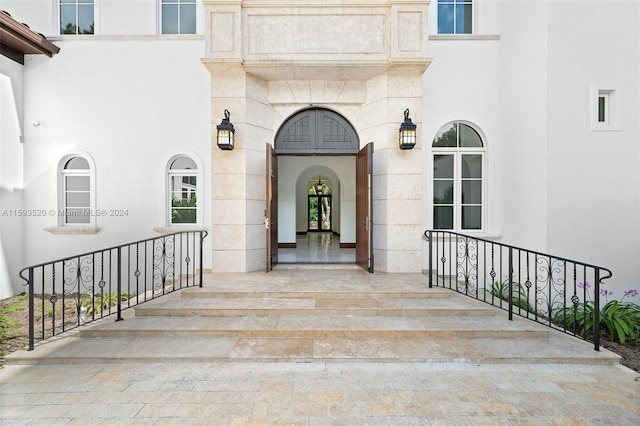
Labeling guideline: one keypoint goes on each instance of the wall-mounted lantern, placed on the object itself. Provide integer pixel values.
(407, 132)
(225, 133)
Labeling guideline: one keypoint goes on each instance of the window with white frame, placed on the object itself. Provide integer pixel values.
(605, 110)
(604, 107)
(76, 197)
(458, 185)
(183, 190)
(178, 16)
(453, 16)
(76, 17)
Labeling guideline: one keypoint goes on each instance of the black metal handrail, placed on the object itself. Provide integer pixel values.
(79, 289)
(548, 289)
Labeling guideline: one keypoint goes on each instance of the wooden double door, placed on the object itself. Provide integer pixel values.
(364, 222)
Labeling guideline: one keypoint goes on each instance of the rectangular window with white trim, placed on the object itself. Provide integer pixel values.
(77, 17)
(451, 16)
(178, 16)
(605, 107)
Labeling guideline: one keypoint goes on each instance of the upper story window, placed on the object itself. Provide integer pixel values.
(455, 16)
(605, 109)
(178, 16)
(76, 17)
(183, 191)
(458, 178)
(76, 197)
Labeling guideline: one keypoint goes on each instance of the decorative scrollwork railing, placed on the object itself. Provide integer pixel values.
(548, 289)
(70, 292)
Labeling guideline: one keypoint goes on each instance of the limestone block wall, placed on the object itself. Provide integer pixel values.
(270, 59)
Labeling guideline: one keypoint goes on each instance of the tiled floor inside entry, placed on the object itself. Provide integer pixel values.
(317, 247)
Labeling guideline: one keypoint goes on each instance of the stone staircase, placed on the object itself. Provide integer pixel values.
(315, 315)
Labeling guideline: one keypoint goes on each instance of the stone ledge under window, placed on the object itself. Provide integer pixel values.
(73, 230)
(480, 235)
(143, 37)
(465, 37)
(167, 230)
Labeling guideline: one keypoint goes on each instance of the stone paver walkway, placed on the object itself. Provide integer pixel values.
(167, 387)
(319, 393)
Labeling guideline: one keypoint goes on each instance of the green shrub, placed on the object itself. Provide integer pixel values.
(183, 210)
(518, 294)
(618, 318)
(621, 319)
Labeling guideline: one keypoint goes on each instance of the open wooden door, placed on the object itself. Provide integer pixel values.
(271, 212)
(364, 228)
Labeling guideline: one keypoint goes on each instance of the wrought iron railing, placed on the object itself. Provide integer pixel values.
(551, 290)
(67, 293)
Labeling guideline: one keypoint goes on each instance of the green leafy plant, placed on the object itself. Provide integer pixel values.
(97, 303)
(6, 324)
(500, 289)
(183, 210)
(620, 318)
(17, 304)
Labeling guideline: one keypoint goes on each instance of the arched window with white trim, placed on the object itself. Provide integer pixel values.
(183, 191)
(77, 200)
(458, 178)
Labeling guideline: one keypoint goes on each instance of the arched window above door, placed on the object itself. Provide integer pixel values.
(316, 130)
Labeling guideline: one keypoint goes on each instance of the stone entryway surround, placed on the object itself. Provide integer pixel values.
(270, 59)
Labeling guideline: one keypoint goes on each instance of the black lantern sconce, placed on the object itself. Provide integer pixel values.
(225, 133)
(407, 132)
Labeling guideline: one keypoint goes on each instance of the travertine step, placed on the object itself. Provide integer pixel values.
(554, 349)
(294, 316)
(316, 305)
(203, 293)
(319, 326)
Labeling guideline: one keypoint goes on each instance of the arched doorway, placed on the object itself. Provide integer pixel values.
(320, 132)
(319, 206)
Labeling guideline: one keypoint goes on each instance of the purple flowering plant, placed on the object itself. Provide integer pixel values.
(583, 285)
(620, 318)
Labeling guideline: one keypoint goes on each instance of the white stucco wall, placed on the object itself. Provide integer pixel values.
(522, 166)
(141, 17)
(111, 17)
(11, 177)
(131, 99)
(568, 190)
(470, 69)
(592, 176)
(557, 186)
(128, 104)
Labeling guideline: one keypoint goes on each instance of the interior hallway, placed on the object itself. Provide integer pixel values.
(317, 247)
